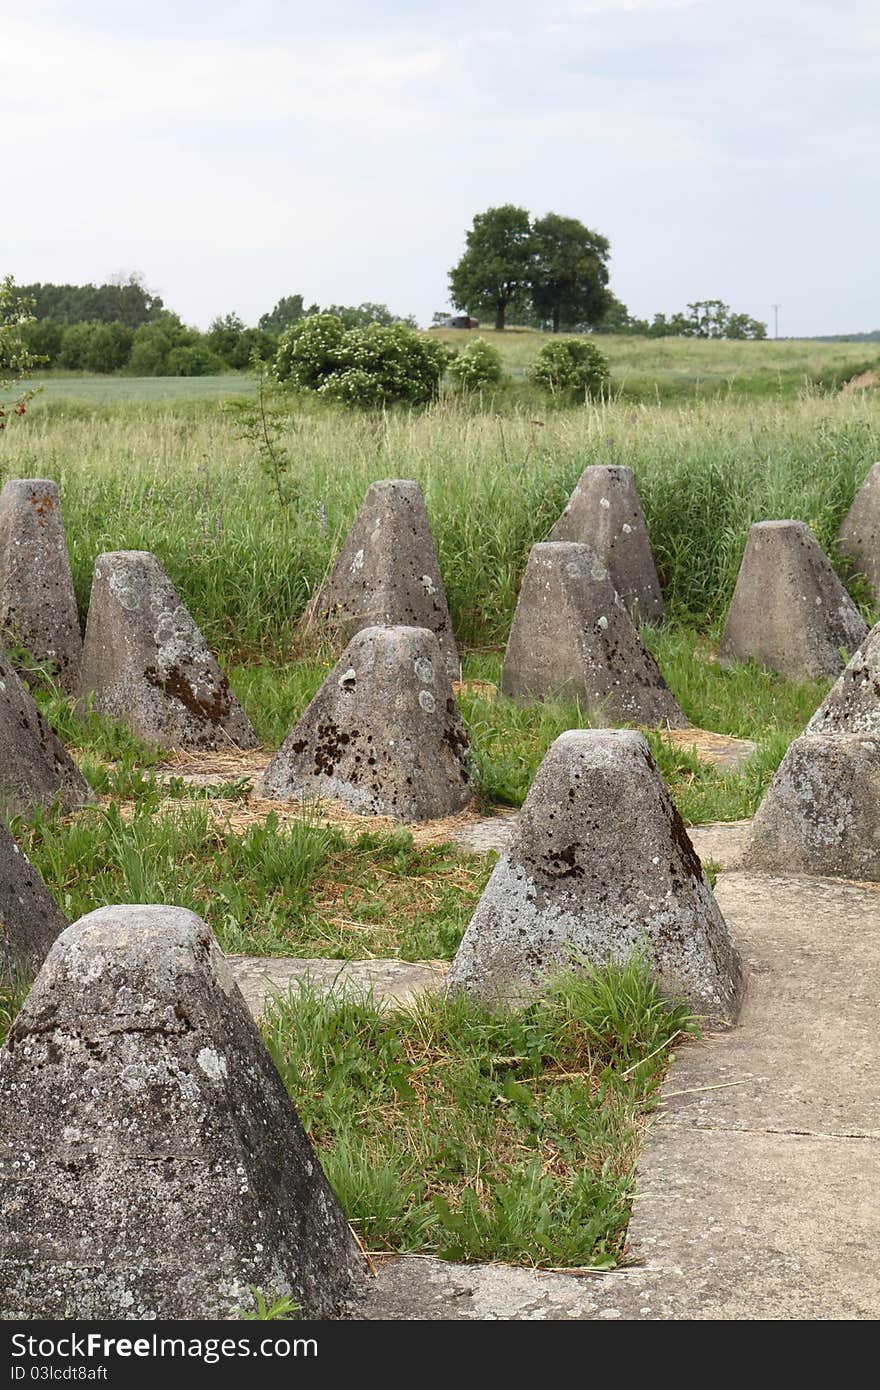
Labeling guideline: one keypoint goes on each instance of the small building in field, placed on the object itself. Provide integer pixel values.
(457, 321)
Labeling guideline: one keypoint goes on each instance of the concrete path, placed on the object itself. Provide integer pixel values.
(759, 1183)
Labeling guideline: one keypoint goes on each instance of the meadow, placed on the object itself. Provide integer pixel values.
(557, 1096)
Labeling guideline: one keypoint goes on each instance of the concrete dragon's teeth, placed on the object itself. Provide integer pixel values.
(387, 572)
(383, 735)
(600, 867)
(605, 512)
(37, 601)
(789, 610)
(146, 663)
(572, 638)
(152, 1163)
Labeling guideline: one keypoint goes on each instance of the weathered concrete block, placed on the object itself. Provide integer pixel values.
(789, 610)
(572, 637)
(383, 735)
(605, 512)
(852, 705)
(821, 813)
(35, 770)
(30, 918)
(145, 661)
(387, 572)
(860, 533)
(37, 602)
(601, 867)
(151, 1160)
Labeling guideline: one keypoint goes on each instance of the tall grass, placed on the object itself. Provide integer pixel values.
(178, 482)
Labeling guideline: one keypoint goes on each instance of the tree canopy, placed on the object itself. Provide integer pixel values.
(495, 270)
(569, 272)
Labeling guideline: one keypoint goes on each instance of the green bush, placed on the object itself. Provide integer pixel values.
(368, 367)
(193, 359)
(477, 367)
(94, 347)
(571, 366)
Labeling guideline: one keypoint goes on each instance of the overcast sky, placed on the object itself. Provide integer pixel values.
(237, 153)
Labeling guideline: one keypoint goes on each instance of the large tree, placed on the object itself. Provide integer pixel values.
(569, 272)
(495, 269)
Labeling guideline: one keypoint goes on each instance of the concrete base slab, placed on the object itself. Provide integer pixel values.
(721, 842)
(804, 1058)
(721, 750)
(756, 1225)
(415, 1288)
(392, 983)
(757, 1188)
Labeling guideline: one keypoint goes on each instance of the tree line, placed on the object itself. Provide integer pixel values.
(123, 327)
(550, 272)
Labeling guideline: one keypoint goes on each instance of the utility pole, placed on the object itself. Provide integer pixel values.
(776, 308)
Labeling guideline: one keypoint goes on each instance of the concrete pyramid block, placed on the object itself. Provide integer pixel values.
(821, 813)
(860, 533)
(601, 866)
(37, 601)
(145, 661)
(152, 1163)
(572, 637)
(605, 512)
(35, 769)
(387, 571)
(789, 610)
(30, 918)
(852, 705)
(383, 735)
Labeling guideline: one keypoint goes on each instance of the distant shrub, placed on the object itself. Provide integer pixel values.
(193, 359)
(571, 365)
(367, 367)
(477, 366)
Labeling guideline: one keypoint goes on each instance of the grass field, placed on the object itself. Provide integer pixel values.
(643, 370)
(479, 1142)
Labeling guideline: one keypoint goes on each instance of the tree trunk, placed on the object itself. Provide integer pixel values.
(499, 316)
(555, 318)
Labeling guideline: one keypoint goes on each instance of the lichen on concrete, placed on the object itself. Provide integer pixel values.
(821, 813)
(146, 662)
(383, 735)
(852, 706)
(151, 1161)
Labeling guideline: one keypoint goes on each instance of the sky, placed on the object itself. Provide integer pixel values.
(233, 154)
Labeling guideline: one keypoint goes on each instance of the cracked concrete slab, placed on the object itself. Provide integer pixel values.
(392, 983)
(426, 1289)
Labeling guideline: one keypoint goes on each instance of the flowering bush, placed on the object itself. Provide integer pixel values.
(571, 365)
(368, 367)
(477, 366)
